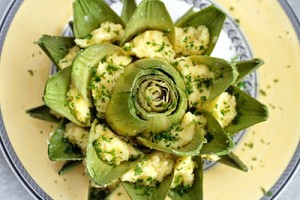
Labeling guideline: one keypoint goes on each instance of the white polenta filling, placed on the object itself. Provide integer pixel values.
(150, 170)
(183, 134)
(79, 106)
(184, 172)
(111, 148)
(108, 32)
(68, 59)
(107, 73)
(223, 108)
(77, 136)
(198, 79)
(191, 41)
(151, 44)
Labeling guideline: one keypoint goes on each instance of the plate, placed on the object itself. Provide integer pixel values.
(255, 29)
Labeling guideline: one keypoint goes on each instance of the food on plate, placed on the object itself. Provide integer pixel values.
(140, 101)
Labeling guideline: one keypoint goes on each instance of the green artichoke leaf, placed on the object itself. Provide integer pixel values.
(225, 75)
(211, 17)
(68, 166)
(56, 47)
(140, 192)
(59, 148)
(87, 59)
(191, 149)
(247, 67)
(148, 98)
(88, 15)
(234, 161)
(149, 15)
(128, 9)
(196, 191)
(249, 111)
(218, 141)
(101, 172)
(43, 112)
(55, 94)
(96, 193)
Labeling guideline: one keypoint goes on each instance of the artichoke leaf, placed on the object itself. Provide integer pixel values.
(193, 148)
(149, 15)
(55, 94)
(225, 75)
(101, 172)
(246, 67)
(95, 192)
(127, 112)
(140, 192)
(249, 111)
(56, 47)
(88, 15)
(68, 166)
(58, 146)
(87, 59)
(211, 17)
(128, 9)
(196, 191)
(218, 141)
(234, 161)
(44, 113)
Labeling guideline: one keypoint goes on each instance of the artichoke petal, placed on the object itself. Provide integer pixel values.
(218, 141)
(246, 67)
(85, 61)
(128, 9)
(233, 161)
(96, 193)
(149, 15)
(56, 47)
(89, 14)
(224, 73)
(127, 112)
(211, 17)
(69, 165)
(249, 111)
(55, 94)
(59, 148)
(196, 191)
(101, 172)
(43, 113)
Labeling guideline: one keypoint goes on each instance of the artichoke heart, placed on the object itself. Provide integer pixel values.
(148, 98)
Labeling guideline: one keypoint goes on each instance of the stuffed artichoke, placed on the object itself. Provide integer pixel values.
(139, 100)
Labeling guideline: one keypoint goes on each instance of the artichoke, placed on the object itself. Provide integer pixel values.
(141, 95)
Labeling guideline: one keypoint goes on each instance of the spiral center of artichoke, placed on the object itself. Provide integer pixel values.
(156, 94)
